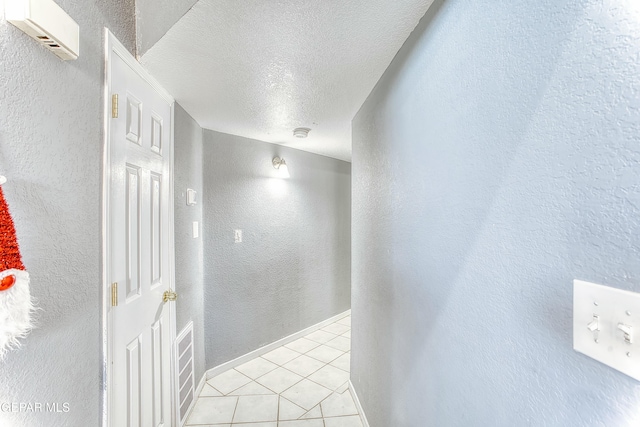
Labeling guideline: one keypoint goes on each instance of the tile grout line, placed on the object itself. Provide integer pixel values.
(325, 364)
(323, 360)
(235, 409)
(320, 406)
(238, 388)
(315, 348)
(261, 375)
(274, 392)
(303, 377)
(307, 378)
(221, 393)
(315, 382)
(305, 411)
(272, 346)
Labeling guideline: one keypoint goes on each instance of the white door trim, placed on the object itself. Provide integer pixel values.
(113, 46)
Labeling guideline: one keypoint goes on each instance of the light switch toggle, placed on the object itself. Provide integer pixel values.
(627, 330)
(594, 326)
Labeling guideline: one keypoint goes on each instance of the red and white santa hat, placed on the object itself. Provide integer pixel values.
(16, 305)
(10, 258)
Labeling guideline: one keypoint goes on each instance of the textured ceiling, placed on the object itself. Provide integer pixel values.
(155, 17)
(260, 68)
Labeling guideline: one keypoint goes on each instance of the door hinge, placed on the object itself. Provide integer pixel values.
(114, 294)
(114, 106)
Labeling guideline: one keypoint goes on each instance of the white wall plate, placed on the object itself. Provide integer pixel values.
(601, 316)
(191, 197)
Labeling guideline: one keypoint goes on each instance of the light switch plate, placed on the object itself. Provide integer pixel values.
(615, 309)
(191, 197)
(237, 236)
(195, 229)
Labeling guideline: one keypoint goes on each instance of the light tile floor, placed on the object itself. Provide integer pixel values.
(301, 384)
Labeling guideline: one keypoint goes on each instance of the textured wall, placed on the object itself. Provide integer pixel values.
(189, 267)
(51, 119)
(155, 17)
(293, 268)
(497, 159)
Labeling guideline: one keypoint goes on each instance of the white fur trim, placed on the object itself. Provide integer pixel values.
(16, 308)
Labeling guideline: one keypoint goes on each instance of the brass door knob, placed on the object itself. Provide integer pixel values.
(169, 296)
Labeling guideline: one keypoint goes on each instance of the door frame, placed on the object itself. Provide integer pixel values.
(114, 47)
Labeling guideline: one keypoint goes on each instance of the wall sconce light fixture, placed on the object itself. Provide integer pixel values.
(281, 166)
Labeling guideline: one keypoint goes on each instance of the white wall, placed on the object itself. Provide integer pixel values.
(51, 120)
(189, 261)
(293, 267)
(496, 160)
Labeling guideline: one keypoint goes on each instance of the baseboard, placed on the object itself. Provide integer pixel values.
(365, 422)
(196, 393)
(201, 384)
(267, 348)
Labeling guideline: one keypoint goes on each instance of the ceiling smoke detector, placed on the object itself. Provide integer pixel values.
(301, 132)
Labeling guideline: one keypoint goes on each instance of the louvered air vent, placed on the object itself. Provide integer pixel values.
(184, 372)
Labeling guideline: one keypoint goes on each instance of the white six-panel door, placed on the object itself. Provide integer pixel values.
(139, 230)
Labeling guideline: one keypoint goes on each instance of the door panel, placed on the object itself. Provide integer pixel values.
(133, 220)
(156, 229)
(134, 368)
(156, 134)
(134, 116)
(157, 364)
